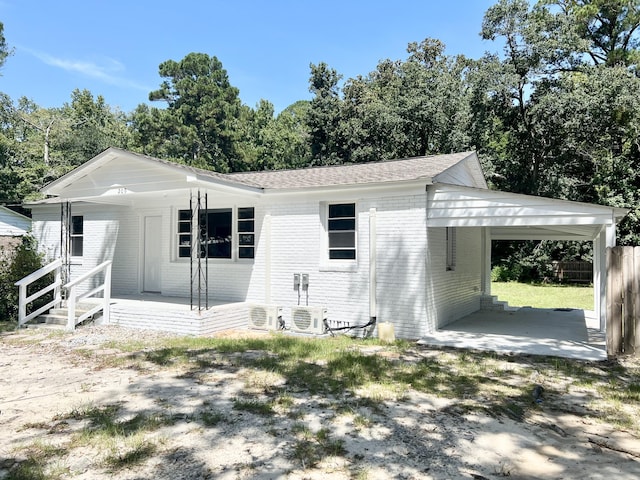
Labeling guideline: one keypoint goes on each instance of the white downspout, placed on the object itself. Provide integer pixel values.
(373, 301)
(267, 258)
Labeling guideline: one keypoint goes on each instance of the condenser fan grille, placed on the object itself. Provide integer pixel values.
(302, 319)
(259, 317)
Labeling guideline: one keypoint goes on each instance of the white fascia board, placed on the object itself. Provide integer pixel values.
(408, 187)
(96, 162)
(510, 220)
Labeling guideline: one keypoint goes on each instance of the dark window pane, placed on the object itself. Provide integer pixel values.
(246, 239)
(219, 224)
(76, 246)
(184, 240)
(184, 215)
(246, 252)
(342, 254)
(246, 226)
(245, 213)
(184, 227)
(184, 252)
(346, 224)
(77, 227)
(338, 240)
(215, 234)
(220, 250)
(342, 210)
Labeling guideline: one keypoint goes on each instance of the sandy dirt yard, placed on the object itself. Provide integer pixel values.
(75, 406)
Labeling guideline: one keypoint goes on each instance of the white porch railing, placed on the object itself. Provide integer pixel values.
(23, 284)
(73, 298)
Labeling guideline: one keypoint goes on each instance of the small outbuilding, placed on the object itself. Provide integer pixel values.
(13, 226)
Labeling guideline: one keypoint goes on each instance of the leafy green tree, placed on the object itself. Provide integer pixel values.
(592, 123)
(275, 142)
(605, 30)
(5, 51)
(323, 118)
(93, 127)
(200, 125)
(405, 108)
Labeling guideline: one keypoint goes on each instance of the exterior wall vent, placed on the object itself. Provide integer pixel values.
(265, 317)
(308, 319)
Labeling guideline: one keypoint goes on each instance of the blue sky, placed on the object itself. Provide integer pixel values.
(113, 47)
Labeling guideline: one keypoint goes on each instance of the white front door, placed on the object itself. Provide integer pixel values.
(152, 254)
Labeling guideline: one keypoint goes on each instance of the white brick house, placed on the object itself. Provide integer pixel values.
(404, 241)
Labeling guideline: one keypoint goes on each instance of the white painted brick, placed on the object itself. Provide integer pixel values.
(414, 290)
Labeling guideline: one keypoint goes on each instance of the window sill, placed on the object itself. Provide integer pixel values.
(219, 261)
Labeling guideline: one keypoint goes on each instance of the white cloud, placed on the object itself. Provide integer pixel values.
(108, 71)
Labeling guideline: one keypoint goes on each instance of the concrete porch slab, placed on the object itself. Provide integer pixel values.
(530, 331)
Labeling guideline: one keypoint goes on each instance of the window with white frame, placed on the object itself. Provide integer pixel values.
(341, 229)
(76, 235)
(184, 233)
(246, 232)
(215, 233)
(451, 248)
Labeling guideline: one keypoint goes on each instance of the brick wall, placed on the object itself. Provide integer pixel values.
(414, 290)
(451, 295)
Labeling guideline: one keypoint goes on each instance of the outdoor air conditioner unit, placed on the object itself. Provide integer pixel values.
(308, 319)
(265, 317)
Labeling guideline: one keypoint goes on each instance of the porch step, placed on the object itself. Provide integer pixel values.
(491, 303)
(57, 317)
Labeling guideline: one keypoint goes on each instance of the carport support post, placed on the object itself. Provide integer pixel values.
(485, 284)
(606, 238)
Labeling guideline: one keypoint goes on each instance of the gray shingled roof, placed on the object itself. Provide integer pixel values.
(358, 174)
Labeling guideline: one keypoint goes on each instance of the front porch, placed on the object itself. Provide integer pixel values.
(175, 315)
(564, 333)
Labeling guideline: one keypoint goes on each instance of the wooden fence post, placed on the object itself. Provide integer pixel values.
(614, 301)
(628, 323)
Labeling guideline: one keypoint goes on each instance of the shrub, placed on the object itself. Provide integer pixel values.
(15, 264)
(507, 273)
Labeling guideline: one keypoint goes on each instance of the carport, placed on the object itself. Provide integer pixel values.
(508, 216)
(529, 331)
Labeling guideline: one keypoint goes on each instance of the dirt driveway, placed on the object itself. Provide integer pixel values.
(76, 406)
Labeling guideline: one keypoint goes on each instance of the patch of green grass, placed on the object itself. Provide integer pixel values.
(259, 407)
(132, 451)
(373, 373)
(544, 296)
(8, 326)
(310, 448)
(210, 418)
(37, 464)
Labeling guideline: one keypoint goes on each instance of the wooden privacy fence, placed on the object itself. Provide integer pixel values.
(573, 272)
(623, 301)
